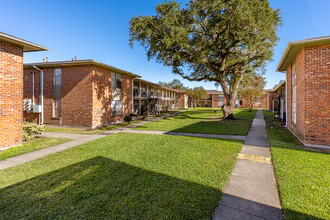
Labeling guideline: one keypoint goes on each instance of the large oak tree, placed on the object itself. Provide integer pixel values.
(210, 40)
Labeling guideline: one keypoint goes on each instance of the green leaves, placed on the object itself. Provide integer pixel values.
(209, 40)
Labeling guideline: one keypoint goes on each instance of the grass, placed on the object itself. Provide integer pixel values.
(33, 145)
(204, 120)
(122, 176)
(87, 131)
(302, 175)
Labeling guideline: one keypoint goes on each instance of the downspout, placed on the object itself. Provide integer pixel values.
(41, 93)
(286, 101)
(32, 88)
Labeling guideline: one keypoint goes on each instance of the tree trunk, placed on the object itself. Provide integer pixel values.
(228, 109)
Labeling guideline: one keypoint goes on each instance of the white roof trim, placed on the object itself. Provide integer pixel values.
(27, 46)
(293, 48)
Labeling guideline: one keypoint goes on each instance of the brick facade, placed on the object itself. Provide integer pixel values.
(312, 95)
(183, 100)
(85, 95)
(11, 95)
(263, 102)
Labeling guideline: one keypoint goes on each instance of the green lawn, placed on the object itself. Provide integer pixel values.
(32, 145)
(302, 175)
(204, 120)
(122, 176)
(87, 131)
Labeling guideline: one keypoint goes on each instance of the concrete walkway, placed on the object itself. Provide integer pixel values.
(237, 137)
(251, 192)
(78, 140)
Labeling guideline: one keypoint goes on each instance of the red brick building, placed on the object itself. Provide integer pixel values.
(11, 87)
(260, 103)
(307, 67)
(215, 99)
(82, 93)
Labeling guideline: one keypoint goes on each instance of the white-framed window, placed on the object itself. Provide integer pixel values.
(116, 80)
(116, 94)
(294, 97)
(57, 92)
(116, 108)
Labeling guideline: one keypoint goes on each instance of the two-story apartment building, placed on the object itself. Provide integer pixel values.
(84, 93)
(307, 67)
(151, 97)
(11, 87)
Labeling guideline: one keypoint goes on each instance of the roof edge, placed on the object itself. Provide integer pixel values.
(27, 45)
(302, 44)
(80, 62)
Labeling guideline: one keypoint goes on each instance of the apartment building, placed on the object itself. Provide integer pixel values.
(306, 64)
(11, 87)
(151, 97)
(80, 93)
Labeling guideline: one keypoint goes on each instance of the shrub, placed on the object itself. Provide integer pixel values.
(128, 118)
(30, 130)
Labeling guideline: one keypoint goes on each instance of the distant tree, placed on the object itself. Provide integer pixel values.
(210, 40)
(251, 89)
(174, 84)
(278, 83)
(197, 94)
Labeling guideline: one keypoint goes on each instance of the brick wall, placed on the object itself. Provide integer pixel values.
(264, 101)
(215, 101)
(313, 86)
(102, 97)
(183, 100)
(299, 128)
(76, 93)
(11, 94)
(317, 95)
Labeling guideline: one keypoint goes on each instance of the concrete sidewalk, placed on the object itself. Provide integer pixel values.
(251, 192)
(237, 137)
(78, 140)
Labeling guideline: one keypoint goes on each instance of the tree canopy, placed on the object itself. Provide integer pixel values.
(252, 88)
(210, 40)
(174, 84)
(196, 94)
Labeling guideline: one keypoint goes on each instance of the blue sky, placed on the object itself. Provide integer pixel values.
(99, 30)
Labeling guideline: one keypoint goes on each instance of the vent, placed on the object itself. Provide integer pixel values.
(27, 105)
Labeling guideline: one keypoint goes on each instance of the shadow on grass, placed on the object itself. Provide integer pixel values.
(104, 188)
(108, 189)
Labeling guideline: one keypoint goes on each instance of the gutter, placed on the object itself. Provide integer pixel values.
(41, 93)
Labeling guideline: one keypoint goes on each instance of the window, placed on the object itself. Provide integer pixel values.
(116, 108)
(57, 93)
(220, 100)
(293, 88)
(116, 94)
(116, 80)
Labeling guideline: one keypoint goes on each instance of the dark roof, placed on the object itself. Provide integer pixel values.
(79, 62)
(217, 92)
(27, 46)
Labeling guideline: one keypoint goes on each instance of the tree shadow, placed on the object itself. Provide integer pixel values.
(103, 188)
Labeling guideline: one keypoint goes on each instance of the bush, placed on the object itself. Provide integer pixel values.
(30, 130)
(128, 118)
